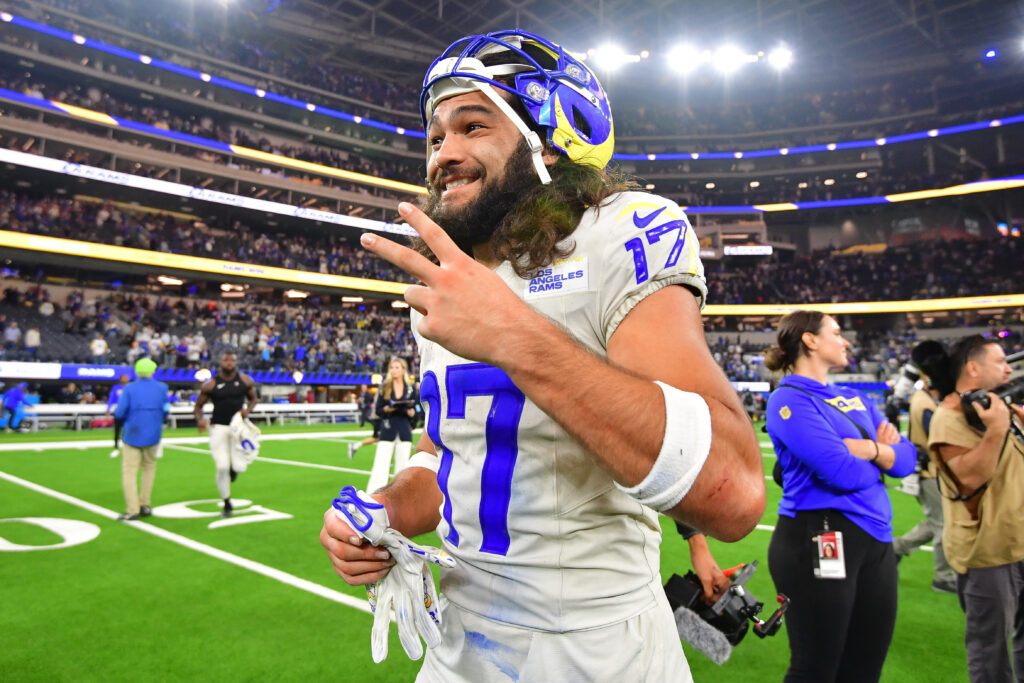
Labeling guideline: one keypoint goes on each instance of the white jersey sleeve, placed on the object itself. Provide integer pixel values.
(649, 245)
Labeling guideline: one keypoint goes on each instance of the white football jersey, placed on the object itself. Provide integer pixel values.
(542, 537)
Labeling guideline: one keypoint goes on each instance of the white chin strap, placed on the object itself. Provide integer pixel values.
(532, 139)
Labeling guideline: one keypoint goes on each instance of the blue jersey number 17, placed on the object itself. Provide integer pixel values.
(501, 429)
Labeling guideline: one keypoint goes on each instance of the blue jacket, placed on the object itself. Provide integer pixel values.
(14, 397)
(818, 470)
(143, 406)
(114, 397)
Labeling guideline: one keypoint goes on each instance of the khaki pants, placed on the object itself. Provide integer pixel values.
(133, 457)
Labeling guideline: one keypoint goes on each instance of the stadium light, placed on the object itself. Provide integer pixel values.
(399, 304)
(780, 58)
(729, 58)
(709, 186)
(611, 57)
(295, 294)
(991, 54)
(754, 184)
(862, 174)
(830, 181)
(172, 281)
(683, 59)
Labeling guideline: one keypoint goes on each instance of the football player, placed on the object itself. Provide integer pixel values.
(231, 392)
(569, 392)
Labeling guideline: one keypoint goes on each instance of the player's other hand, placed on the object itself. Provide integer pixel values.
(353, 558)
(202, 425)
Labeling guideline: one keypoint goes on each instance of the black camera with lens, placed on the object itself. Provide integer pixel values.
(1011, 392)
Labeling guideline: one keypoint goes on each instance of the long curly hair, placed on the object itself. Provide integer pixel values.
(533, 234)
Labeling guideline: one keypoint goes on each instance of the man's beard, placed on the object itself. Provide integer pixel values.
(475, 223)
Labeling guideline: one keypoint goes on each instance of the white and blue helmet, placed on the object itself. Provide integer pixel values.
(559, 92)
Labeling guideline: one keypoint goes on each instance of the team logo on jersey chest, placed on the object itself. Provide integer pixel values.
(846, 404)
(561, 277)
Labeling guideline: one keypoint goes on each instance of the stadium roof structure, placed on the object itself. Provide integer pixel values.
(860, 37)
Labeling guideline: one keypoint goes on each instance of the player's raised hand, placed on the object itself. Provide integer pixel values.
(467, 307)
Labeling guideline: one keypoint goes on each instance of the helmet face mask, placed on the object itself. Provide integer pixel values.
(559, 93)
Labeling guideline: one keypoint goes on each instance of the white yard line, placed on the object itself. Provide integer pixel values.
(293, 463)
(107, 443)
(216, 553)
(82, 444)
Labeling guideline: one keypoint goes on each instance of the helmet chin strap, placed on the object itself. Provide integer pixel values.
(532, 139)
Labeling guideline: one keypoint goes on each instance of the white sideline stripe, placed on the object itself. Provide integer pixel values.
(293, 463)
(106, 443)
(216, 553)
(296, 463)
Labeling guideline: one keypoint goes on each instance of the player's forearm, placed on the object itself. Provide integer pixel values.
(620, 419)
(413, 501)
(617, 417)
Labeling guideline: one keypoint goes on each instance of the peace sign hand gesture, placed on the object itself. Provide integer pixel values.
(467, 308)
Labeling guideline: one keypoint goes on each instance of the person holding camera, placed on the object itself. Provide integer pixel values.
(976, 441)
(928, 358)
(831, 551)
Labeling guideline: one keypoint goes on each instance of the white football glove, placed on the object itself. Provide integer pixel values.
(409, 586)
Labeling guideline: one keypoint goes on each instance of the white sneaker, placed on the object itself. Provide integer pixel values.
(114, 453)
(352, 450)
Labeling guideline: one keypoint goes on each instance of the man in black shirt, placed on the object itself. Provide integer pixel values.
(231, 392)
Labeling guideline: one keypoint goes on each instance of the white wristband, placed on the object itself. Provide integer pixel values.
(684, 449)
(425, 460)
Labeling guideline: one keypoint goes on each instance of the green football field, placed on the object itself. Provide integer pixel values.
(183, 596)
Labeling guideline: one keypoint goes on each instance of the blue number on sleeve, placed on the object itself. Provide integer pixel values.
(431, 395)
(502, 430)
(636, 245)
(654, 234)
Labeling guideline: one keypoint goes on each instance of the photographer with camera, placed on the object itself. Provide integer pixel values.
(831, 551)
(980, 455)
(929, 364)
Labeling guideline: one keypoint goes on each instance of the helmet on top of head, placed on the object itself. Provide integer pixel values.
(558, 92)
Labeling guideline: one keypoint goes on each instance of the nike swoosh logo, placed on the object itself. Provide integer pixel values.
(646, 220)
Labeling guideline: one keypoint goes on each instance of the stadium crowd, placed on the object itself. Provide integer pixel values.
(927, 270)
(111, 224)
(186, 333)
(798, 118)
(204, 125)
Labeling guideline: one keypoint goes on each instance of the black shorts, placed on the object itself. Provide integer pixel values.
(376, 427)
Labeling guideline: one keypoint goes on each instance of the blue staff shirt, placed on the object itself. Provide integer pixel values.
(14, 398)
(114, 397)
(818, 470)
(143, 406)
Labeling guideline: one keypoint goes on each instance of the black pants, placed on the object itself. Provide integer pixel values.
(839, 630)
(118, 424)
